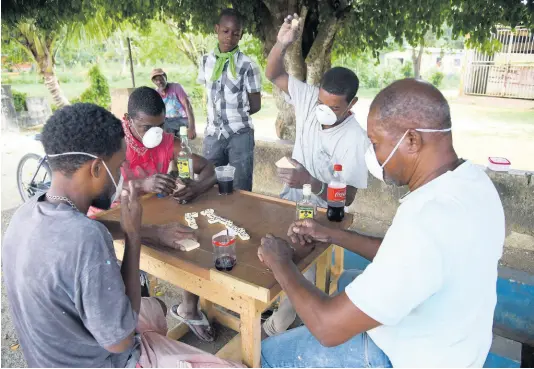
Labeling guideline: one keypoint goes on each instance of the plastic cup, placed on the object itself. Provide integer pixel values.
(225, 178)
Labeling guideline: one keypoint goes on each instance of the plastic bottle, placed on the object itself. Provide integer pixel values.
(336, 196)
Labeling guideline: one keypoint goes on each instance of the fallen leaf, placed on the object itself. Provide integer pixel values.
(159, 293)
(15, 347)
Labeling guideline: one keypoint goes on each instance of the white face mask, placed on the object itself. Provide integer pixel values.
(374, 166)
(326, 116)
(152, 137)
(118, 187)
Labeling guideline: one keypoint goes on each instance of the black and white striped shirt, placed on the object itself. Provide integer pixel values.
(228, 103)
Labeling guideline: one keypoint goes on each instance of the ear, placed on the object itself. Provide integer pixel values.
(217, 28)
(415, 141)
(354, 101)
(97, 168)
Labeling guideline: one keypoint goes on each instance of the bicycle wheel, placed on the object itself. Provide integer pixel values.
(32, 178)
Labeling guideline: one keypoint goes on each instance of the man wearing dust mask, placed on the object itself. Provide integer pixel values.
(428, 296)
(327, 133)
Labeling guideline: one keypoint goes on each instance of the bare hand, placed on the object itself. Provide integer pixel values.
(159, 183)
(308, 231)
(186, 190)
(294, 178)
(131, 211)
(170, 234)
(274, 251)
(191, 133)
(288, 34)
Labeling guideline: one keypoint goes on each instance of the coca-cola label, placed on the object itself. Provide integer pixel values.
(337, 194)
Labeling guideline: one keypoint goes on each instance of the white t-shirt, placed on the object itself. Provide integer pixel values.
(318, 149)
(433, 281)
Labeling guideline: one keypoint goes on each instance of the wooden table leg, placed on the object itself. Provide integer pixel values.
(322, 276)
(338, 267)
(207, 306)
(153, 283)
(251, 333)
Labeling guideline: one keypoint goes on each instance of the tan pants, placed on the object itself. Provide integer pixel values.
(158, 351)
(285, 315)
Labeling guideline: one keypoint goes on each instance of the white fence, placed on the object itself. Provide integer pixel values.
(509, 72)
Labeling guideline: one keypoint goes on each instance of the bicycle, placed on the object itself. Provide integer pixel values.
(38, 172)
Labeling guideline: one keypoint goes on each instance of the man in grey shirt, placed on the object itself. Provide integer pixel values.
(72, 304)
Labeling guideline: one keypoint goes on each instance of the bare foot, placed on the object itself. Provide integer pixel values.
(203, 331)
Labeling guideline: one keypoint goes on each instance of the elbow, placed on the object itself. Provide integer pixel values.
(269, 74)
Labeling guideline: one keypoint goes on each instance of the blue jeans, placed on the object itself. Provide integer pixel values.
(298, 348)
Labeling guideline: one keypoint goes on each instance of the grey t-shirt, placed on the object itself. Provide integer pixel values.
(64, 286)
(318, 149)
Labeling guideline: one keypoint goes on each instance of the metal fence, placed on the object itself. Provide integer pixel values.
(509, 72)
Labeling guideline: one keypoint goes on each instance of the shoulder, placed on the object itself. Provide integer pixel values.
(246, 62)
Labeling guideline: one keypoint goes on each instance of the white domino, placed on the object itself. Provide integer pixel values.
(189, 245)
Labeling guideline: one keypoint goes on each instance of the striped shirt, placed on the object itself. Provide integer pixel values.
(228, 103)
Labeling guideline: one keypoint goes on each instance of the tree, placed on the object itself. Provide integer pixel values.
(41, 27)
(355, 25)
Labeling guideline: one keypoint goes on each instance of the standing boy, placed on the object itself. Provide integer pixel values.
(233, 86)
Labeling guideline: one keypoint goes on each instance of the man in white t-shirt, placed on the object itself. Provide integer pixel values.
(428, 297)
(327, 133)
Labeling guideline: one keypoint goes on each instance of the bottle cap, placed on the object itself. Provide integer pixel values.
(307, 190)
(338, 167)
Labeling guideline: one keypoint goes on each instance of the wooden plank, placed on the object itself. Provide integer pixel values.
(226, 319)
(251, 333)
(178, 331)
(257, 213)
(232, 350)
(339, 260)
(215, 292)
(322, 278)
(153, 283)
(240, 285)
(207, 307)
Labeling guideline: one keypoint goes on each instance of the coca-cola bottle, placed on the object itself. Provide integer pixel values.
(337, 193)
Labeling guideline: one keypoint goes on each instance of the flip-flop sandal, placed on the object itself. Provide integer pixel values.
(191, 323)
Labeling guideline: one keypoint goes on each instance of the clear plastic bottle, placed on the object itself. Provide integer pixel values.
(306, 209)
(184, 160)
(337, 194)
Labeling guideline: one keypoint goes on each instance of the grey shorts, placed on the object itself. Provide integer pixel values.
(172, 125)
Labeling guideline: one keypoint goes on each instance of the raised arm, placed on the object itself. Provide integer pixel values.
(275, 70)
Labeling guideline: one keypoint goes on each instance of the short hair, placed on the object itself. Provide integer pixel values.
(341, 81)
(229, 12)
(145, 100)
(80, 127)
(412, 103)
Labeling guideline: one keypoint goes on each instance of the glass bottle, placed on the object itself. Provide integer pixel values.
(184, 160)
(306, 209)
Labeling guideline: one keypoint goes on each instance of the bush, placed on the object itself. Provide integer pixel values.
(407, 69)
(19, 99)
(196, 97)
(98, 90)
(436, 78)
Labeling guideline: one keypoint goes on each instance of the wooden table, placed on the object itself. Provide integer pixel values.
(250, 288)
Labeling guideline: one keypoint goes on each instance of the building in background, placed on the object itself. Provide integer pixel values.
(509, 72)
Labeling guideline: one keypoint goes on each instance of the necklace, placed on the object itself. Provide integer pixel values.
(62, 198)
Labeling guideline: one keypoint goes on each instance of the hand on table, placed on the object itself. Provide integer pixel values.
(294, 178)
(170, 234)
(274, 251)
(308, 231)
(131, 211)
(186, 190)
(159, 183)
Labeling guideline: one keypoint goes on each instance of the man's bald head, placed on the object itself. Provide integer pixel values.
(410, 103)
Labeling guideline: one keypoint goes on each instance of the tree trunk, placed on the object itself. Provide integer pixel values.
(416, 60)
(307, 59)
(52, 84)
(41, 46)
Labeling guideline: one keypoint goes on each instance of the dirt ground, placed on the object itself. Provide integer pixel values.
(482, 127)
